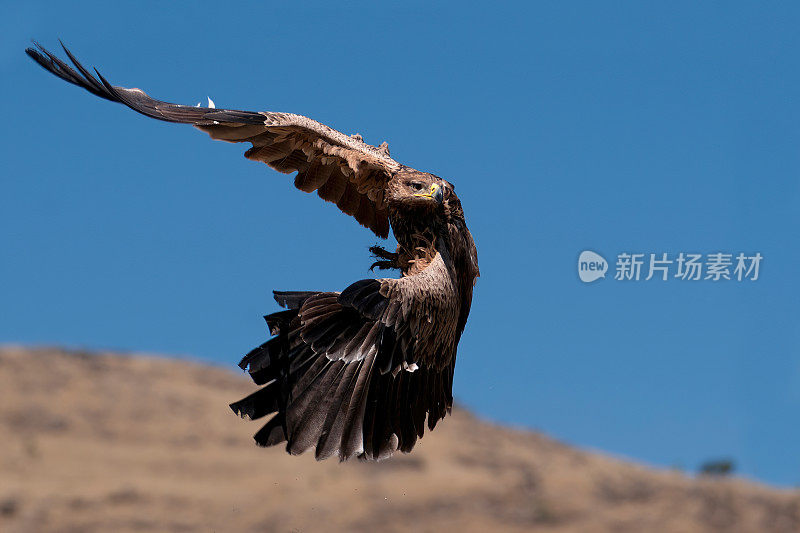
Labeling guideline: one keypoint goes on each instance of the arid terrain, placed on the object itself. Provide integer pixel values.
(105, 442)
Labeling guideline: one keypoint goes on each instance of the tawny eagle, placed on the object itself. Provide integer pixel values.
(356, 372)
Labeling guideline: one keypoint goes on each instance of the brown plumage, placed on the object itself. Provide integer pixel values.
(357, 372)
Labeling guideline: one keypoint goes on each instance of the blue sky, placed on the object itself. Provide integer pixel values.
(566, 127)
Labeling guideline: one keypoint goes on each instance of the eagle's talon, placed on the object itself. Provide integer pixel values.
(383, 265)
(382, 253)
(386, 260)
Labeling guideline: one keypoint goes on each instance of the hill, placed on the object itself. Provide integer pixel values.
(105, 442)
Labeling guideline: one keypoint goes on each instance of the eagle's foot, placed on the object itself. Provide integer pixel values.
(386, 260)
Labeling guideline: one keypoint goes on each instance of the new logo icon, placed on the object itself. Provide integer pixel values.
(591, 266)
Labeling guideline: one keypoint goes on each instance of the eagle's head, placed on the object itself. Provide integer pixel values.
(422, 194)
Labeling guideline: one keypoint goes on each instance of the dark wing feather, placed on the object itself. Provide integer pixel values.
(343, 169)
(342, 383)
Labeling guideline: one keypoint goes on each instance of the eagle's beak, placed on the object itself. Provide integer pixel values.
(435, 193)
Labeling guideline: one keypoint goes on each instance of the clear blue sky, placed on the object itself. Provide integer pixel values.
(565, 127)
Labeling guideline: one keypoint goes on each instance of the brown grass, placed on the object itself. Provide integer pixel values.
(102, 442)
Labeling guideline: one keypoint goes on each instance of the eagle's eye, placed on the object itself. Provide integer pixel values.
(416, 185)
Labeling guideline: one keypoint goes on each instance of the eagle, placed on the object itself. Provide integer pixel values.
(360, 372)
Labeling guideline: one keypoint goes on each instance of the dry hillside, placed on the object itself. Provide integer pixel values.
(103, 442)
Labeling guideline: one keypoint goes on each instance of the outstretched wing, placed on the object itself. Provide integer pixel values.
(342, 169)
(349, 374)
